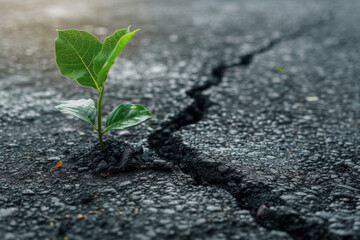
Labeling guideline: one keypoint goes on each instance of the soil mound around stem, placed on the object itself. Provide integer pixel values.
(117, 156)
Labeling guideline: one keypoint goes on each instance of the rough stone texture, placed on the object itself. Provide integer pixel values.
(253, 156)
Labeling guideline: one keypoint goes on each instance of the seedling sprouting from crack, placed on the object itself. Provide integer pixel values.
(81, 57)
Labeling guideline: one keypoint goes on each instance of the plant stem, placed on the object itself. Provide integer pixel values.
(99, 117)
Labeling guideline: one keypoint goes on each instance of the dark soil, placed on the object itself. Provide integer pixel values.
(117, 156)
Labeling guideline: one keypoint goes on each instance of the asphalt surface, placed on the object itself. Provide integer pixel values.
(256, 135)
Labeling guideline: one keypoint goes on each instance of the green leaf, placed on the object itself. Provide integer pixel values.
(82, 108)
(112, 47)
(279, 69)
(75, 51)
(126, 116)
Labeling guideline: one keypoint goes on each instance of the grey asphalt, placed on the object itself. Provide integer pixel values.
(257, 106)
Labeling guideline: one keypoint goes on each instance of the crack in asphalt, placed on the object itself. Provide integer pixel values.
(254, 196)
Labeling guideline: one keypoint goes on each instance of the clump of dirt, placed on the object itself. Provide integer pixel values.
(117, 156)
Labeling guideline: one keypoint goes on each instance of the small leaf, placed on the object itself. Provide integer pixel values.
(112, 47)
(82, 108)
(59, 164)
(126, 116)
(279, 69)
(75, 51)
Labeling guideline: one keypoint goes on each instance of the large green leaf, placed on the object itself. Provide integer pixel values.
(126, 116)
(111, 48)
(75, 51)
(82, 108)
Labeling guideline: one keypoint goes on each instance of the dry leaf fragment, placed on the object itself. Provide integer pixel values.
(94, 212)
(59, 164)
(312, 99)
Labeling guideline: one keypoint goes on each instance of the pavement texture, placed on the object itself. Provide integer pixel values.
(256, 135)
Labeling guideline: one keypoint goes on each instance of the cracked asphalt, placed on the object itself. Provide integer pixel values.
(258, 115)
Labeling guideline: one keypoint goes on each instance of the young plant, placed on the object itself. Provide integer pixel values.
(81, 57)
